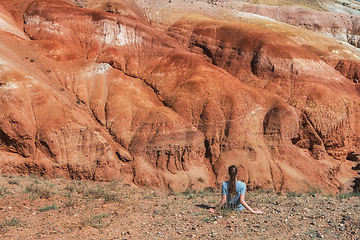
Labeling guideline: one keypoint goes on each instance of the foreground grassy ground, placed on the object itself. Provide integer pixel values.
(37, 208)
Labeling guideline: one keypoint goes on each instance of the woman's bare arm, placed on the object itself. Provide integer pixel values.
(221, 203)
(242, 201)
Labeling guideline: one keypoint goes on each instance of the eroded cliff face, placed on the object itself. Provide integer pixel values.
(342, 26)
(283, 67)
(89, 94)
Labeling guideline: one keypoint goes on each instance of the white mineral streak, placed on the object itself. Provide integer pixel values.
(3, 67)
(43, 24)
(8, 27)
(256, 111)
(9, 86)
(305, 66)
(126, 36)
(251, 16)
(91, 70)
(117, 34)
(32, 19)
(53, 27)
(103, 68)
(109, 29)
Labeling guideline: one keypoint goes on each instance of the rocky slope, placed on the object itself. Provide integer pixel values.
(99, 90)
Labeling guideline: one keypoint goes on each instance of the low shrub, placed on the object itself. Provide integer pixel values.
(13, 182)
(96, 221)
(7, 223)
(40, 191)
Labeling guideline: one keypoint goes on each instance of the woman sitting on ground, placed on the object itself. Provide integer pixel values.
(233, 193)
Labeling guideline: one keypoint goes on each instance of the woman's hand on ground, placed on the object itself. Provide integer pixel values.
(212, 210)
(258, 212)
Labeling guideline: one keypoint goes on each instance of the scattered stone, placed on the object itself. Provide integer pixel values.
(318, 235)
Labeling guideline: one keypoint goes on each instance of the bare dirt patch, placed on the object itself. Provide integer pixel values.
(38, 208)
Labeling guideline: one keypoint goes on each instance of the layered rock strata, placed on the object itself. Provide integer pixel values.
(88, 94)
(342, 26)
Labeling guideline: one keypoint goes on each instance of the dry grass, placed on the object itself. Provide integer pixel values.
(89, 210)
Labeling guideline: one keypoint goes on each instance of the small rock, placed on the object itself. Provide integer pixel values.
(318, 235)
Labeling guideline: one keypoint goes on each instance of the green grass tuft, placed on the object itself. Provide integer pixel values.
(13, 182)
(349, 195)
(293, 194)
(96, 221)
(49, 207)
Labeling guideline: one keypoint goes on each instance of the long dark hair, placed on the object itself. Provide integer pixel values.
(232, 186)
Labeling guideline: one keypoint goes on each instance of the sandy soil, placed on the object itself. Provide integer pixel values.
(37, 208)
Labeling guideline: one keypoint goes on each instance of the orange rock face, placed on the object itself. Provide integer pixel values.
(345, 27)
(89, 94)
